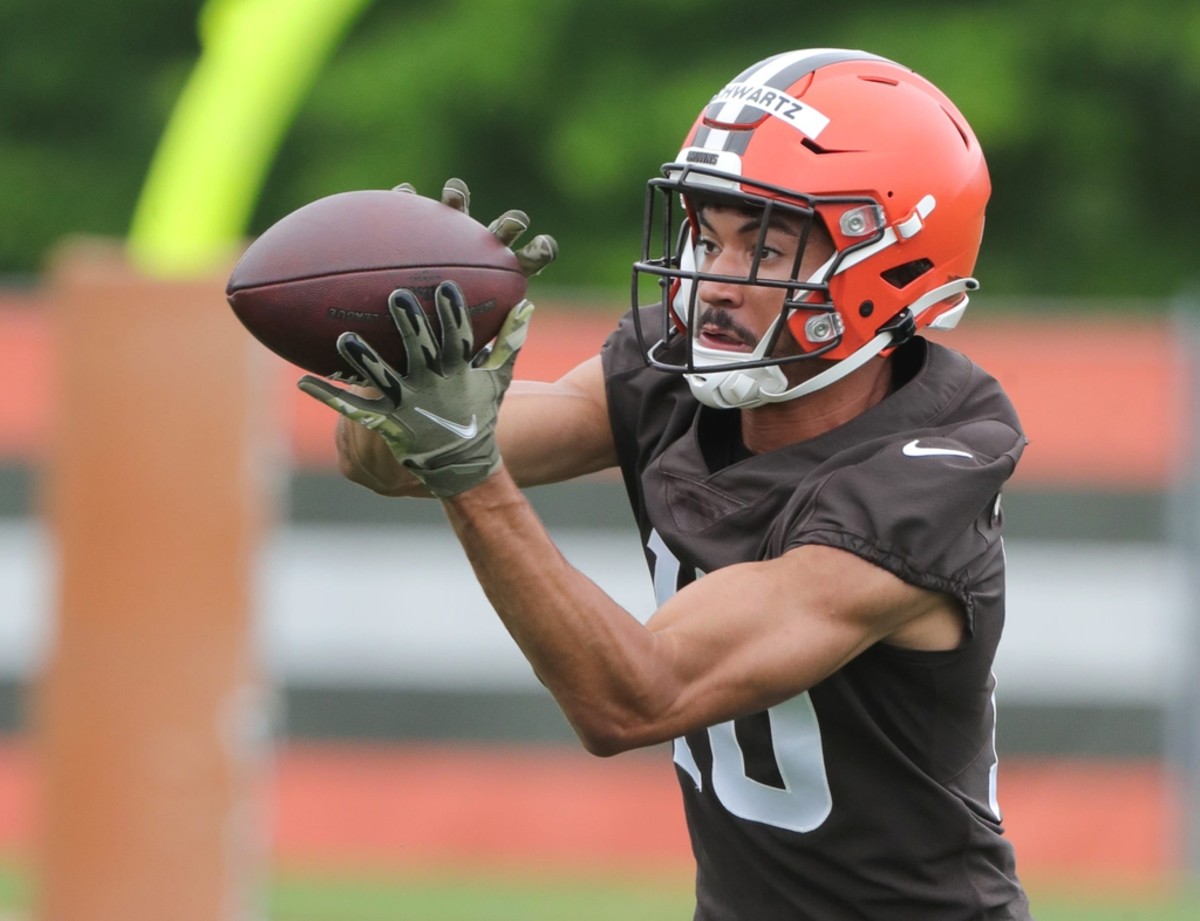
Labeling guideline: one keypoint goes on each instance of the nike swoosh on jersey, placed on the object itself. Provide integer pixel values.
(914, 449)
(470, 430)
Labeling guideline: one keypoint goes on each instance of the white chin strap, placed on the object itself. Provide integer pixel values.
(749, 387)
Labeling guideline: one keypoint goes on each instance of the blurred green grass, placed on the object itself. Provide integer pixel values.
(479, 896)
(491, 896)
(488, 897)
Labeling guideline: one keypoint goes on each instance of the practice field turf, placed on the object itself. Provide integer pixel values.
(485, 896)
(490, 898)
(375, 834)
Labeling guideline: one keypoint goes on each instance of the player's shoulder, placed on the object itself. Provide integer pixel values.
(624, 350)
(623, 357)
(937, 449)
(647, 409)
(944, 388)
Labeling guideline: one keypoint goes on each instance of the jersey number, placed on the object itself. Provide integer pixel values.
(802, 801)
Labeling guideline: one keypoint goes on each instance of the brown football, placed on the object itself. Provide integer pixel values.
(328, 268)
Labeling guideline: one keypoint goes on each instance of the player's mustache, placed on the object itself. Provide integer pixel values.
(723, 320)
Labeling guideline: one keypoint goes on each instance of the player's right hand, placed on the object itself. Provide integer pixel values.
(439, 417)
(508, 227)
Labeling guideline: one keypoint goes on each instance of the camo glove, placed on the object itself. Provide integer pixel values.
(508, 227)
(439, 418)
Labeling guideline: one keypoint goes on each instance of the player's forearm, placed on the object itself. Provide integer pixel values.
(602, 666)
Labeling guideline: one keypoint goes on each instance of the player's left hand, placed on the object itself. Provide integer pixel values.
(439, 418)
(507, 228)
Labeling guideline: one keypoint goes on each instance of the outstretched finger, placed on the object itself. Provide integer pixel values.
(537, 254)
(509, 226)
(373, 369)
(456, 194)
(421, 351)
(508, 342)
(350, 405)
(457, 336)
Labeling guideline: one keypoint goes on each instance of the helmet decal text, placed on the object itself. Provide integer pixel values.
(727, 105)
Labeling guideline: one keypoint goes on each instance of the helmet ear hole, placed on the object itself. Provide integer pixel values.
(903, 275)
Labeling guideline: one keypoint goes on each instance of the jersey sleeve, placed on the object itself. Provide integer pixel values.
(924, 506)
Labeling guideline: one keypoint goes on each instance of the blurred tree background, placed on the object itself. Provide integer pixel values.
(1089, 113)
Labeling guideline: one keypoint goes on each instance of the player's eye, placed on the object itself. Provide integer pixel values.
(705, 249)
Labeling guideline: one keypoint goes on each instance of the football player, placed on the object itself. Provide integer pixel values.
(817, 488)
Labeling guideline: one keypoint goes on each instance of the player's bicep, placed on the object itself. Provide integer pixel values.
(748, 636)
(555, 431)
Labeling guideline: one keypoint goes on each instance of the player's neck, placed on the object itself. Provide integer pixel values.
(776, 425)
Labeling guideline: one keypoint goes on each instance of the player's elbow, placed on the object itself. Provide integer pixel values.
(637, 714)
(608, 736)
(602, 745)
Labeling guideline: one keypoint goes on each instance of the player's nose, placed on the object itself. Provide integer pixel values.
(725, 291)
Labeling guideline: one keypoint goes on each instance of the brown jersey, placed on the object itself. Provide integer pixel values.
(873, 794)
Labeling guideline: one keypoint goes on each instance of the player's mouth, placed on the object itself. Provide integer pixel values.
(717, 329)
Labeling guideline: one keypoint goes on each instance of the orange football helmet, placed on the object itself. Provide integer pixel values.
(876, 154)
